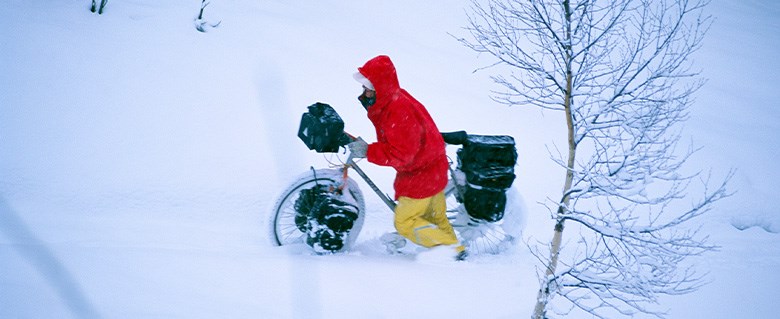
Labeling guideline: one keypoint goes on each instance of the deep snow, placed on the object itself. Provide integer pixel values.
(139, 158)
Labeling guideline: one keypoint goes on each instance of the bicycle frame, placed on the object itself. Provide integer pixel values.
(388, 201)
(351, 163)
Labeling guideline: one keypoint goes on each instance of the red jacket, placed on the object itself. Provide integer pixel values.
(407, 138)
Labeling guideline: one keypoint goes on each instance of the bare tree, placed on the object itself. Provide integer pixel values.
(621, 72)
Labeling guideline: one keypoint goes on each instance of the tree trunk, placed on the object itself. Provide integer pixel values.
(555, 245)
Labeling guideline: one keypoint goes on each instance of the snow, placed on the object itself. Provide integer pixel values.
(139, 159)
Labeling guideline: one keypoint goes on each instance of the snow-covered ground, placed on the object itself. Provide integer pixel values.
(139, 159)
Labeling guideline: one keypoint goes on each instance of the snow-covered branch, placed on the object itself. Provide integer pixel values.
(621, 71)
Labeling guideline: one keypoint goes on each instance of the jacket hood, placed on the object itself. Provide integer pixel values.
(381, 72)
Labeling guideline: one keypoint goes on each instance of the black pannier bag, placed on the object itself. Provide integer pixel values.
(488, 161)
(485, 203)
(322, 129)
(335, 214)
(498, 177)
(483, 151)
(325, 219)
(307, 200)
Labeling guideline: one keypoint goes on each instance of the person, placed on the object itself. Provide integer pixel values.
(409, 141)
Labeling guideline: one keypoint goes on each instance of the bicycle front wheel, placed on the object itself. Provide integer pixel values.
(283, 229)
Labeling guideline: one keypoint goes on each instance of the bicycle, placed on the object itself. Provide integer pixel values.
(292, 221)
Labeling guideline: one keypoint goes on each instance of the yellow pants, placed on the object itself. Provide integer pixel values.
(424, 221)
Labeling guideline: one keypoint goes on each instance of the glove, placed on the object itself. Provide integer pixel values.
(358, 148)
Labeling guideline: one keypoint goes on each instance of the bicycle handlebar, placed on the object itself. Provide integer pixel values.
(351, 137)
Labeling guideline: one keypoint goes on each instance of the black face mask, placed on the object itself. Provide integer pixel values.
(366, 101)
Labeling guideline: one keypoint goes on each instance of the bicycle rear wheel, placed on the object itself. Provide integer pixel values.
(282, 227)
(479, 237)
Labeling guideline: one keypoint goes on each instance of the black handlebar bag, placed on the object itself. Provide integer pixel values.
(322, 129)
